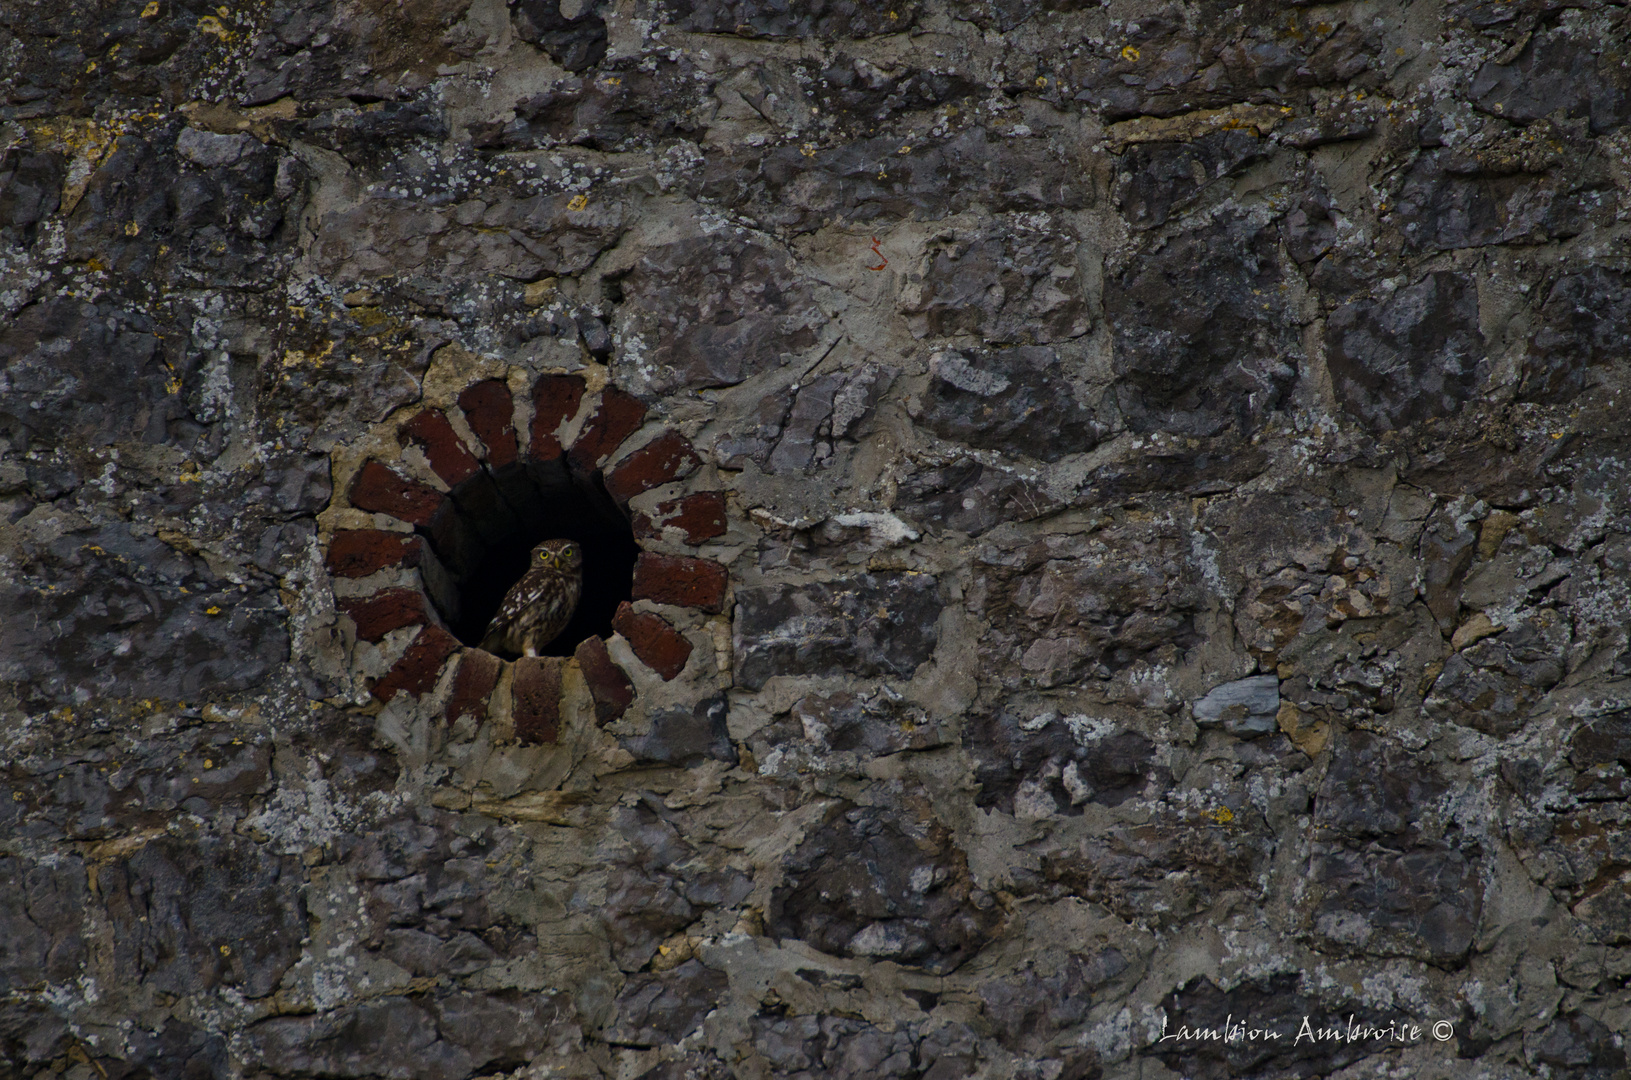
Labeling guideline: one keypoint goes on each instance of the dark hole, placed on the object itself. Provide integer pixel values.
(484, 535)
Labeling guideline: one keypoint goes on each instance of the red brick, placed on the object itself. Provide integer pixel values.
(610, 688)
(379, 614)
(618, 416)
(535, 699)
(700, 517)
(473, 685)
(379, 490)
(667, 457)
(658, 645)
(555, 400)
(675, 579)
(442, 446)
(356, 553)
(490, 411)
(416, 672)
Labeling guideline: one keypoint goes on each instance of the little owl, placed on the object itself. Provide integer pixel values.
(538, 607)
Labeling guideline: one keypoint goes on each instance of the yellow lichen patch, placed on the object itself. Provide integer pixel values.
(86, 142)
(151, 9)
(1221, 816)
(209, 24)
(190, 473)
(1128, 53)
(297, 357)
(132, 228)
(372, 319)
(212, 610)
(577, 202)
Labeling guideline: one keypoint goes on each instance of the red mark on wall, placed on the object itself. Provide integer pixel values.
(884, 259)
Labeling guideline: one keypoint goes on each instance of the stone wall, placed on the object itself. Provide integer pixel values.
(1122, 507)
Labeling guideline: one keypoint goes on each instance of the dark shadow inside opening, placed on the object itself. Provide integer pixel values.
(483, 536)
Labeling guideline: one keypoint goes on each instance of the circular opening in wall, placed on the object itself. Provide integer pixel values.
(484, 535)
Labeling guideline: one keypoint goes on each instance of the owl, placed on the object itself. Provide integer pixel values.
(538, 607)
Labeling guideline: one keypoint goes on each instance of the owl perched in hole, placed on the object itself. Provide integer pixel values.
(538, 607)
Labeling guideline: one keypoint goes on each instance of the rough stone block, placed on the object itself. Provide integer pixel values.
(356, 553)
(618, 416)
(608, 685)
(443, 448)
(555, 400)
(473, 685)
(682, 581)
(1409, 356)
(489, 409)
(419, 667)
(379, 614)
(1016, 401)
(656, 643)
(667, 457)
(687, 737)
(700, 517)
(535, 699)
(1246, 707)
(867, 625)
(379, 490)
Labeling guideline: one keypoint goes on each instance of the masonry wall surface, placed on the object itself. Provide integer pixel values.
(1132, 516)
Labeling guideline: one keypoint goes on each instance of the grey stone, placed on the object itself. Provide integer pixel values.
(1583, 327)
(216, 912)
(871, 624)
(812, 409)
(1014, 282)
(1201, 338)
(212, 151)
(1556, 72)
(662, 1009)
(863, 886)
(704, 324)
(1245, 707)
(1013, 400)
(687, 737)
(1403, 358)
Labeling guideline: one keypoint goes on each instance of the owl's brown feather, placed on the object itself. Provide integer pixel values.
(538, 607)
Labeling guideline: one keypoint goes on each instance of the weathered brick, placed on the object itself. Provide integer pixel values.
(675, 579)
(700, 517)
(379, 614)
(419, 667)
(473, 685)
(658, 645)
(443, 448)
(535, 699)
(356, 553)
(379, 490)
(667, 457)
(608, 685)
(618, 416)
(555, 400)
(490, 411)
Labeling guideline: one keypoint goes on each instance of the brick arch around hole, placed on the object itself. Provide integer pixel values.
(483, 479)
